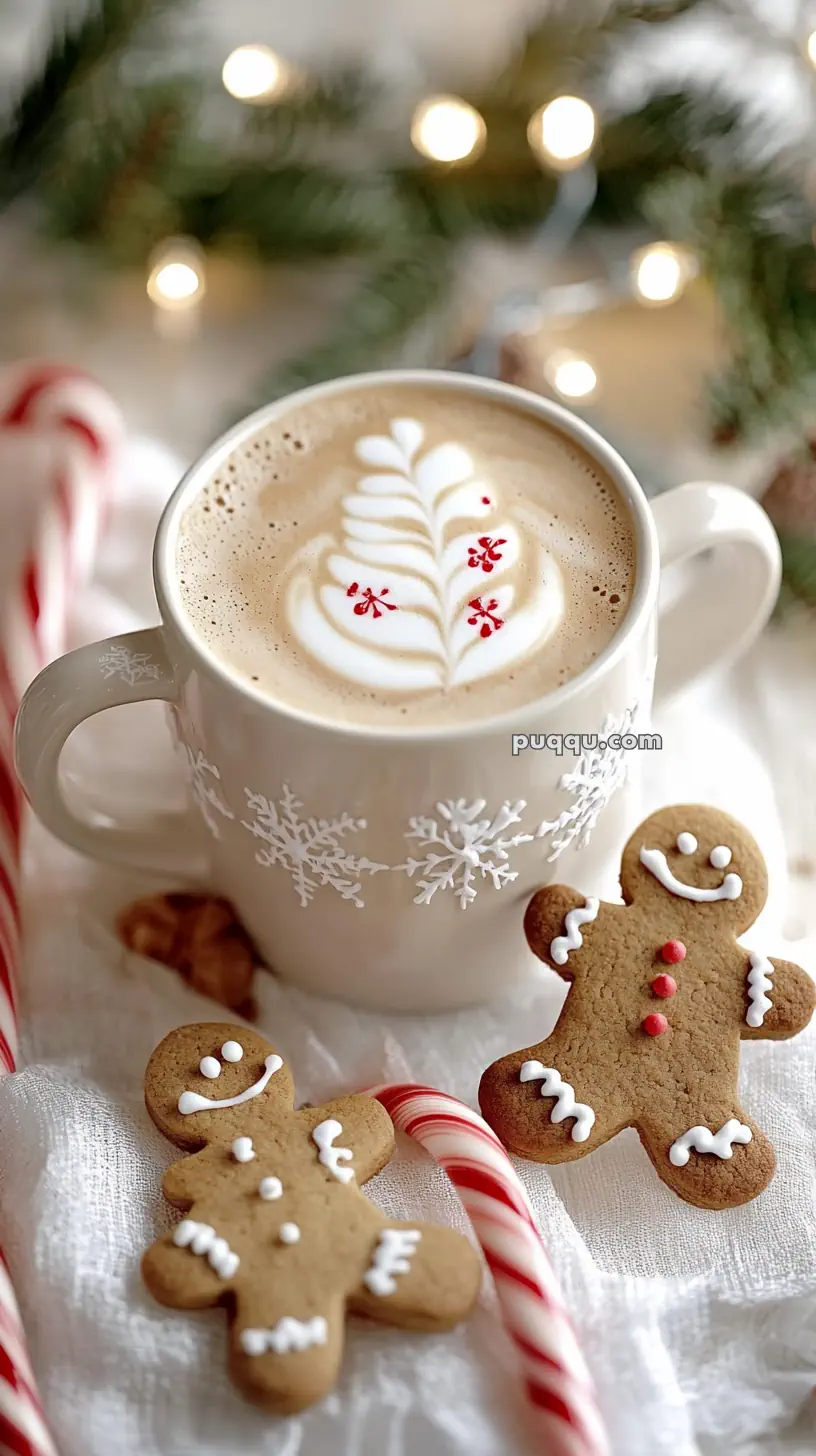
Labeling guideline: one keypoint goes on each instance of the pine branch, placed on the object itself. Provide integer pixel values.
(752, 233)
(798, 568)
(318, 111)
(295, 211)
(37, 117)
(374, 324)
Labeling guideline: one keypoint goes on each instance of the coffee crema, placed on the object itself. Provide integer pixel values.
(399, 551)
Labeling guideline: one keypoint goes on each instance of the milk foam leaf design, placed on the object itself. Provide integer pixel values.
(310, 849)
(461, 848)
(422, 533)
(598, 774)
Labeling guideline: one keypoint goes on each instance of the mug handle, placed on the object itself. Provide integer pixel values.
(731, 592)
(131, 668)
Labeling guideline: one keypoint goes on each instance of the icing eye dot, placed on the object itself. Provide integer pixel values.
(270, 1188)
(209, 1067)
(232, 1051)
(686, 843)
(289, 1233)
(720, 856)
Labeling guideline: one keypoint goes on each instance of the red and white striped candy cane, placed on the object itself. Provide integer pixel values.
(61, 406)
(558, 1384)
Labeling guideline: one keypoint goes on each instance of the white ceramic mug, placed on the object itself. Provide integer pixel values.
(391, 866)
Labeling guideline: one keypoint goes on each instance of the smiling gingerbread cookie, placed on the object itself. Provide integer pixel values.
(275, 1227)
(661, 996)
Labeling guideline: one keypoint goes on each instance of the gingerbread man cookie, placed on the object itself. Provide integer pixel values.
(661, 996)
(275, 1225)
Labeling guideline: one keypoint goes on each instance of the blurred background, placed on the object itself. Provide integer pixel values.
(611, 203)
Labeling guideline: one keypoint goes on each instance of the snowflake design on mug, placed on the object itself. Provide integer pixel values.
(200, 772)
(133, 667)
(598, 774)
(310, 849)
(461, 847)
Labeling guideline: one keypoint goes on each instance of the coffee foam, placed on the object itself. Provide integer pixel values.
(389, 491)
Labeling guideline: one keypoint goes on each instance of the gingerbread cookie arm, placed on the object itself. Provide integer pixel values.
(780, 999)
(191, 1268)
(285, 1353)
(554, 925)
(353, 1137)
(419, 1277)
(182, 1182)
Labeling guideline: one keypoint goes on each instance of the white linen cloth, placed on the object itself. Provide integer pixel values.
(700, 1327)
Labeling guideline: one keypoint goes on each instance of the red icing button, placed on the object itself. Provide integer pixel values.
(654, 1024)
(672, 952)
(664, 986)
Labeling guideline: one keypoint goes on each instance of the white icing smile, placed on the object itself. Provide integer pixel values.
(656, 863)
(193, 1101)
(429, 586)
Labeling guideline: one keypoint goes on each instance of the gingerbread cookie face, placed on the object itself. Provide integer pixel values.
(276, 1227)
(218, 1073)
(701, 858)
(661, 996)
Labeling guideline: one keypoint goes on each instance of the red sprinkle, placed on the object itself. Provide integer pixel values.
(664, 986)
(672, 952)
(654, 1024)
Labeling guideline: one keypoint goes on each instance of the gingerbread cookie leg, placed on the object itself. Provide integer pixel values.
(716, 1159)
(419, 1277)
(538, 1108)
(286, 1355)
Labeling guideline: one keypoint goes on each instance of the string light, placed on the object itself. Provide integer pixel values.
(255, 73)
(810, 47)
(176, 279)
(447, 129)
(572, 376)
(562, 133)
(660, 272)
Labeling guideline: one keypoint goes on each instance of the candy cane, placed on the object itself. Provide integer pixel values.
(63, 405)
(558, 1384)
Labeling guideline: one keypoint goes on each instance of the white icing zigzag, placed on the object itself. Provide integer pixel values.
(656, 863)
(201, 1238)
(573, 939)
(704, 1141)
(759, 981)
(287, 1335)
(393, 1254)
(331, 1157)
(565, 1106)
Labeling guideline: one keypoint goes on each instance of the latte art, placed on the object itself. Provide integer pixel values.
(424, 589)
(406, 554)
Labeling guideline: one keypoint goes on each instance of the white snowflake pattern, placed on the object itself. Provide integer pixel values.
(598, 774)
(209, 800)
(310, 849)
(133, 667)
(461, 847)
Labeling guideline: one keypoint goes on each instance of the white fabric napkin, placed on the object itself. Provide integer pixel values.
(700, 1327)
